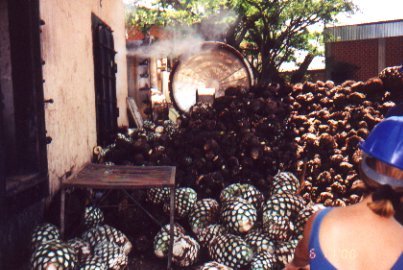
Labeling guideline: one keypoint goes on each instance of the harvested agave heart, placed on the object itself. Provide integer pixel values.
(238, 215)
(284, 204)
(213, 266)
(169, 127)
(93, 216)
(185, 199)
(301, 219)
(44, 233)
(161, 239)
(93, 263)
(112, 255)
(246, 191)
(81, 248)
(185, 251)
(278, 228)
(285, 182)
(392, 78)
(262, 261)
(230, 250)
(205, 212)
(53, 255)
(149, 125)
(206, 235)
(285, 252)
(157, 195)
(107, 233)
(260, 242)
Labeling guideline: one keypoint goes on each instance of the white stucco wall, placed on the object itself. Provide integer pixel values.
(66, 42)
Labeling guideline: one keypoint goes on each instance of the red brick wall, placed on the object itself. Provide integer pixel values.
(362, 53)
(394, 51)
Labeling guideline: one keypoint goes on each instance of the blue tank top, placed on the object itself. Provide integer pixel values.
(316, 256)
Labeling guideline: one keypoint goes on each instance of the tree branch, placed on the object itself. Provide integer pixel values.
(298, 75)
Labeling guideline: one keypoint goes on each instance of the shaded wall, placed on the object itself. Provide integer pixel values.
(68, 71)
(394, 51)
(6, 80)
(15, 227)
(370, 56)
(361, 53)
(67, 50)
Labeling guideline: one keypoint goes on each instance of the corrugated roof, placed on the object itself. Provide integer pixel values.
(364, 31)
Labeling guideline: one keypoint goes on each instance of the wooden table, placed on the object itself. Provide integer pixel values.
(98, 176)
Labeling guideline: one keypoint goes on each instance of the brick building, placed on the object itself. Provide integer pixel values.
(360, 51)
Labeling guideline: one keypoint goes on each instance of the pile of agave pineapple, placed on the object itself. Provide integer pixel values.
(243, 229)
(251, 169)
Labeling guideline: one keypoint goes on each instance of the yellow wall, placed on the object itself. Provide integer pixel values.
(66, 42)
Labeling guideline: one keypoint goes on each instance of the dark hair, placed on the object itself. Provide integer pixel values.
(385, 200)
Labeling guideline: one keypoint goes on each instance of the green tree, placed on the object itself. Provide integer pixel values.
(272, 31)
(267, 32)
(144, 14)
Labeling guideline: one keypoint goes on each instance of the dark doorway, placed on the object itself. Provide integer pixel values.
(105, 69)
(23, 153)
(24, 177)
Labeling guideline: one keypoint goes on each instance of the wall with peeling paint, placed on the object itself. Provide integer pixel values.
(66, 42)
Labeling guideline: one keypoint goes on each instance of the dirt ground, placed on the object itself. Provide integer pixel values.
(143, 263)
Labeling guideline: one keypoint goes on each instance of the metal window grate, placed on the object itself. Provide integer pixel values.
(105, 69)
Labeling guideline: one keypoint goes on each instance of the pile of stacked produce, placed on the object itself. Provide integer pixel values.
(243, 138)
(247, 136)
(147, 146)
(329, 122)
(232, 204)
(100, 247)
(244, 229)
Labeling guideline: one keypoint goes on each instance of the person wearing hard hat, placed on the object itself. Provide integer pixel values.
(365, 235)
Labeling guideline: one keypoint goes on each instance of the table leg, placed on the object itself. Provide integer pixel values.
(62, 211)
(171, 227)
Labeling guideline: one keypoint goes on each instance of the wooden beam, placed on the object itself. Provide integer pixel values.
(134, 111)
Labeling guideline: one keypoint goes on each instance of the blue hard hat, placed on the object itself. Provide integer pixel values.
(385, 142)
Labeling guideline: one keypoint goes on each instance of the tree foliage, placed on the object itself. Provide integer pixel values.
(272, 31)
(267, 32)
(171, 12)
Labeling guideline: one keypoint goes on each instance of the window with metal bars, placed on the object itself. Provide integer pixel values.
(23, 157)
(105, 69)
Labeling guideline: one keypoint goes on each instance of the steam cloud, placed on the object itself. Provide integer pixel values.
(185, 40)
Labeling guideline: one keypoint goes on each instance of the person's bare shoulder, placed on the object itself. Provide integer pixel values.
(339, 219)
(344, 220)
(340, 215)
